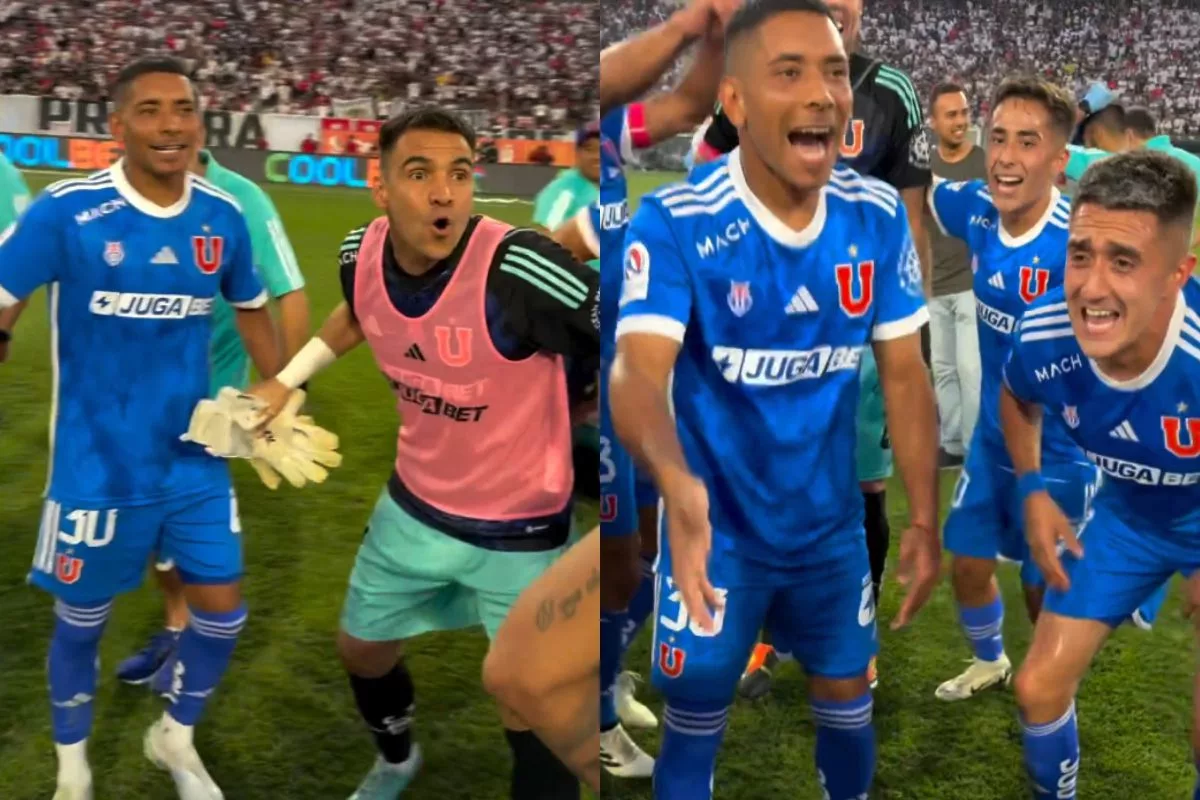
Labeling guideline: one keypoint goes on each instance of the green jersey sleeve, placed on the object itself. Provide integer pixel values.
(273, 253)
(14, 194)
(1082, 158)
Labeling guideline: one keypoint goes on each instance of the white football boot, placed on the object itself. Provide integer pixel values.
(621, 757)
(632, 712)
(977, 677)
(169, 745)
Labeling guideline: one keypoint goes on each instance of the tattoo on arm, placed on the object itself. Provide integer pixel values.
(566, 606)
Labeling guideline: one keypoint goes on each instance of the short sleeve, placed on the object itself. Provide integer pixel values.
(656, 289)
(273, 253)
(952, 203)
(900, 307)
(31, 252)
(240, 284)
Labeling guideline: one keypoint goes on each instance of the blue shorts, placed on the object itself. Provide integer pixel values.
(986, 515)
(823, 614)
(90, 555)
(618, 500)
(644, 489)
(1121, 568)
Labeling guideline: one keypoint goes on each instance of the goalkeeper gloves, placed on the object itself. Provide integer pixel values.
(288, 447)
(295, 448)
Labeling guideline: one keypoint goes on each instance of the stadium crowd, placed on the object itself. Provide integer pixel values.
(1143, 48)
(535, 71)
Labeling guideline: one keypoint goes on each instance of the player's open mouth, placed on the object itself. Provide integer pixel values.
(441, 224)
(169, 148)
(1099, 321)
(811, 142)
(1007, 183)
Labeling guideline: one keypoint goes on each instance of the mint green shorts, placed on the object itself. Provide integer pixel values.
(410, 579)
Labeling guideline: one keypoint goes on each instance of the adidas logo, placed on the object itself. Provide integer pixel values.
(165, 256)
(415, 352)
(996, 281)
(1124, 431)
(802, 302)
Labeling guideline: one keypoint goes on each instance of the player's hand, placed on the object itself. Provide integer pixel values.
(274, 394)
(690, 535)
(694, 19)
(724, 10)
(1045, 526)
(919, 571)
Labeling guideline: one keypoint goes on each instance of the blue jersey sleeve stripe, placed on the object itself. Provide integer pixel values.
(211, 190)
(686, 198)
(1029, 323)
(656, 324)
(712, 209)
(677, 188)
(861, 197)
(899, 328)
(1054, 308)
(1047, 333)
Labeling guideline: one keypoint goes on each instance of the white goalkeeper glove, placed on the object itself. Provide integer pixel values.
(224, 426)
(294, 447)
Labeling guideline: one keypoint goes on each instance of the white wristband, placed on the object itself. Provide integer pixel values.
(312, 358)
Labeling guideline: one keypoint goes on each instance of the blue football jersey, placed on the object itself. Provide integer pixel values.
(1143, 433)
(605, 221)
(1010, 273)
(772, 323)
(131, 287)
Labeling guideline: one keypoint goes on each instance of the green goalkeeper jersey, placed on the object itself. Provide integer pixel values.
(14, 193)
(563, 198)
(273, 257)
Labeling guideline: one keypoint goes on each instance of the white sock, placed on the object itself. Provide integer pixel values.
(72, 759)
(176, 733)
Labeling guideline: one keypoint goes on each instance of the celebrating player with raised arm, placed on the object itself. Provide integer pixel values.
(1115, 353)
(130, 344)
(1015, 224)
(884, 139)
(470, 322)
(744, 412)
(628, 506)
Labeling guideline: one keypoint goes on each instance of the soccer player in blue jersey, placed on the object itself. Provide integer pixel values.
(627, 592)
(1115, 353)
(744, 413)
(133, 257)
(1015, 224)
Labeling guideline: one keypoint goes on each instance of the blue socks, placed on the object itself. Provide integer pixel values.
(692, 734)
(72, 668)
(845, 747)
(204, 652)
(641, 605)
(618, 629)
(1052, 756)
(611, 623)
(983, 628)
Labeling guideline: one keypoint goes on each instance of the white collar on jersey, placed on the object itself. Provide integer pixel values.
(1008, 240)
(1160, 361)
(140, 202)
(773, 225)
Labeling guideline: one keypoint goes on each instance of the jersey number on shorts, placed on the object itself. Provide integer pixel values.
(608, 470)
(680, 620)
(85, 529)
